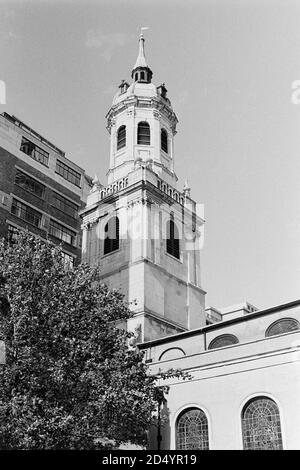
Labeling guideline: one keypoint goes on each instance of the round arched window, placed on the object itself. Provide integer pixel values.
(143, 133)
(111, 235)
(192, 430)
(164, 140)
(261, 425)
(173, 246)
(121, 137)
(223, 340)
(284, 325)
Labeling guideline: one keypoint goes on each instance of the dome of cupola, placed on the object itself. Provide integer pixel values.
(141, 85)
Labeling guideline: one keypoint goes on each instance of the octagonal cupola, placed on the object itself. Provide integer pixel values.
(142, 126)
(141, 72)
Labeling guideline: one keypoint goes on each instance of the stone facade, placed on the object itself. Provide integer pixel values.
(225, 378)
(164, 291)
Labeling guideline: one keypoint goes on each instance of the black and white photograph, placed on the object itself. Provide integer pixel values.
(149, 228)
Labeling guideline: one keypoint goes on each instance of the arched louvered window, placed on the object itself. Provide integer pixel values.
(173, 247)
(142, 75)
(164, 140)
(192, 430)
(261, 425)
(121, 137)
(284, 325)
(111, 234)
(223, 340)
(143, 133)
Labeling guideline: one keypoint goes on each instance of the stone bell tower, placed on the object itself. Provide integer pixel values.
(143, 232)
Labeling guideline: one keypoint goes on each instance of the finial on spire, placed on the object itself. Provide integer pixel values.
(144, 73)
(141, 59)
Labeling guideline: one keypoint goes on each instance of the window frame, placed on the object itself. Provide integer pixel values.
(234, 338)
(170, 240)
(143, 138)
(67, 203)
(246, 422)
(64, 230)
(32, 180)
(23, 208)
(111, 245)
(205, 431)
(43, 155)
(166, 141)
(277, 322)
(121, 141)
(65, 171)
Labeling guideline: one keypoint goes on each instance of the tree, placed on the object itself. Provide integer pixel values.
(70, 381)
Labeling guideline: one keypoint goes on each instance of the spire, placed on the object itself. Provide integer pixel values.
(141, 59)
(144, 73)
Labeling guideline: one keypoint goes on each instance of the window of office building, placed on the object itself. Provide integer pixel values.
(68, 259)
(68, 173)
(35, 152)
(30, 184)
(24, 212)
(62, 232)
(64, 205)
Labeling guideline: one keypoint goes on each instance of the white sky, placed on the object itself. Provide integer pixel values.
(228, 67)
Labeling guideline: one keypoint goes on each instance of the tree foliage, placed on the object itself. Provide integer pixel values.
(70, 381)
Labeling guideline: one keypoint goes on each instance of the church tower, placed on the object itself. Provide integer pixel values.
(143, 232)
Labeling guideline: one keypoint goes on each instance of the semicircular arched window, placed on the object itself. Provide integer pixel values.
(164, 140)
(261, 425)
(223, 340)
(173, 247)
(284, 325)
(111, 235)
(192, 430)
(143, 133)
(121, 137)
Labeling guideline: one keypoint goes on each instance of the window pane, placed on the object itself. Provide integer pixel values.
(282, 326)
(61, 232)
(121, 137)
(111, 240)
(261, 425)
(68, 173)
(173, 247)
(30, 184)
(26, 213)
(143, 133)
(192, 431)
(164, 140)
(224, 340)
(34, 151)
(64, 205)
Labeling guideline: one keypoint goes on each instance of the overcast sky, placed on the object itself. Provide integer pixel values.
(228, 67)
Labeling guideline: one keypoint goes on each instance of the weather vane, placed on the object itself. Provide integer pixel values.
(143, 28)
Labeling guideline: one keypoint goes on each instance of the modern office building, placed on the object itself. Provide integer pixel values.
(40, 188)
